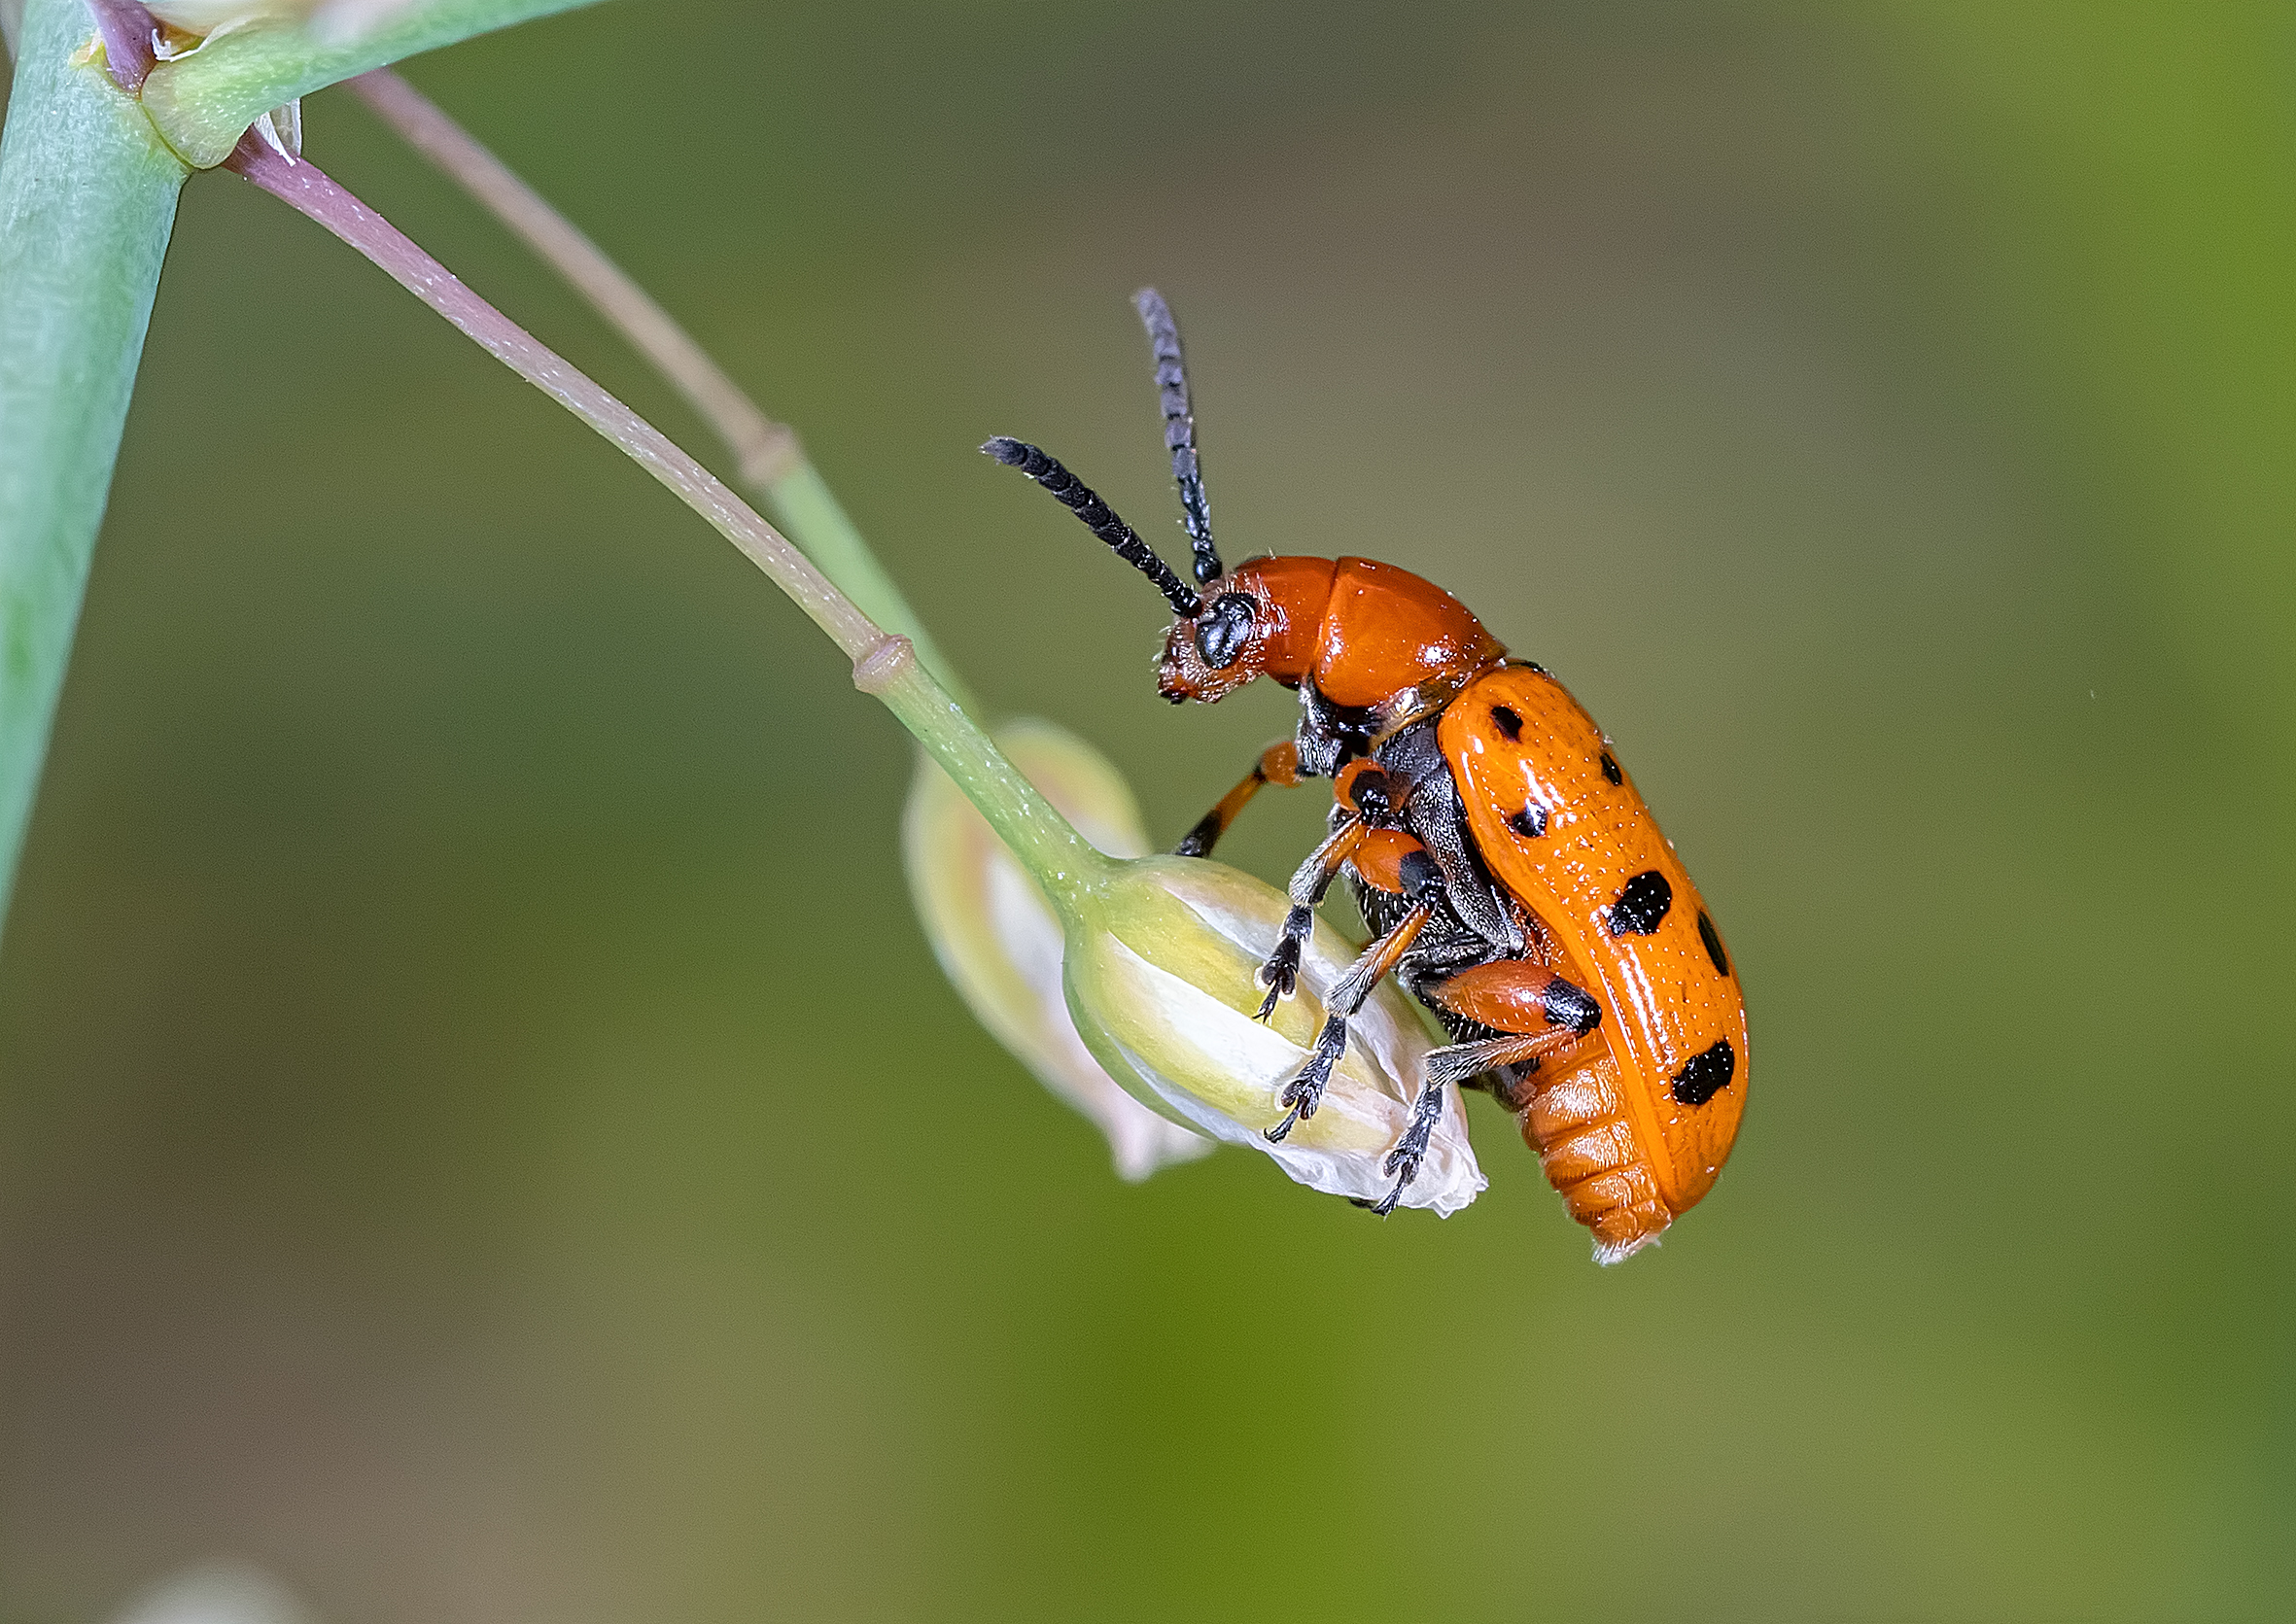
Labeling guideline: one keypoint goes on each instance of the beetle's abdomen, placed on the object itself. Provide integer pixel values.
(1577, 1121)
(1558, 822)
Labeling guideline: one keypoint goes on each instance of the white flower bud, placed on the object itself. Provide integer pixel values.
(1156, 1038)
(999, 941)
(1161, 975)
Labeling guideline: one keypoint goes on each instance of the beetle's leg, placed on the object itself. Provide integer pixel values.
(1280, 975)
(1536, 1013)
(1328, 736)
(1460, 1062)
(1367, 798)
(1505, 994)
(1402, 1161)
(1279, 765)
(1424, 884)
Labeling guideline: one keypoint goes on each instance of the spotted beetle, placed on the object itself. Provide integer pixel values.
(1512, 876)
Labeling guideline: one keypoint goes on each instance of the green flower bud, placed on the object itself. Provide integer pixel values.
(1159, 960)
(1162, 966)
(999, 941)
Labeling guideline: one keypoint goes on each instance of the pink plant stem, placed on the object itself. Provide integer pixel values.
(127, 30)
(303, 187)
(764, 450)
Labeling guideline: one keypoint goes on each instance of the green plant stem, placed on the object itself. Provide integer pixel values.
(769, 460)
(1065, 865)
(884, 664)
(203, 102)
(87, 197)
(801, 499)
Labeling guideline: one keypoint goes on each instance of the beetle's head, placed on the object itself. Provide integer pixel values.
(1211, 653)
(1260, 620)
(1232, 630)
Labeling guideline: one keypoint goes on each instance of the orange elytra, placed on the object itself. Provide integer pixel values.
(1513, 876)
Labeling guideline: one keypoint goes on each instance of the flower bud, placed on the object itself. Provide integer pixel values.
(1162, 976)
(999, 941)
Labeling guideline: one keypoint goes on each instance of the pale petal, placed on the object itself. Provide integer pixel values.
(999, 941)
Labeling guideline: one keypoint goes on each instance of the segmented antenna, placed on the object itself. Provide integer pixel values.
(1179, 429)
(1079, 499)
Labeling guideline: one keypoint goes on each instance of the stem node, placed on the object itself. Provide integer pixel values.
(878, 669)
(769, 456)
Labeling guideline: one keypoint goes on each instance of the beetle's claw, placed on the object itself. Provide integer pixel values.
(1280, 976)
(1402, 1161)
(1303, 1094)
(1403, 1164)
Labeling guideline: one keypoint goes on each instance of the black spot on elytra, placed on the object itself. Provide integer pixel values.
(1712, 939)
(1507, 722)
(1610, 768)
(1708, 1074)
(1642, 905)
(1530, 822)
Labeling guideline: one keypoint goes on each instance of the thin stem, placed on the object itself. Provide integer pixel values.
(885, 665)
(126, 30)
(769, 460)
(801, 500)
(1067, 865)
(304, 187)
(763, 450)
(88, 196)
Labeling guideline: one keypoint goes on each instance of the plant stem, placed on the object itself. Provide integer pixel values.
(125, 29)
(203, 102)
(87, 197)
(769, 460)
(763, 449)
(304, 188)
(802, 501)
(884, 666)
(1065, 865)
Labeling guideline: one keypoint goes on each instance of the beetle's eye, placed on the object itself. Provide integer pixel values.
(1223, 626)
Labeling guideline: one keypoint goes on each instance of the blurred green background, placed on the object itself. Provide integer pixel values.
(484, 1138)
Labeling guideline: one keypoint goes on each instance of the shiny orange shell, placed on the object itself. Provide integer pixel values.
(1559, 824)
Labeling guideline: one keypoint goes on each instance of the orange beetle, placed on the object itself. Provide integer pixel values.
(1512, 878)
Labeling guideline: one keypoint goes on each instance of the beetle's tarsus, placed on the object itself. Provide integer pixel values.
(1305, 1093)
(1411, 1150)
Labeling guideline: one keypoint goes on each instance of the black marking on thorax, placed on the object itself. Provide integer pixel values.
(1714, 948)
(1610, 769)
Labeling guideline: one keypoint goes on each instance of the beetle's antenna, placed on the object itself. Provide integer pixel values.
(1079, 499)
(1179, 429)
